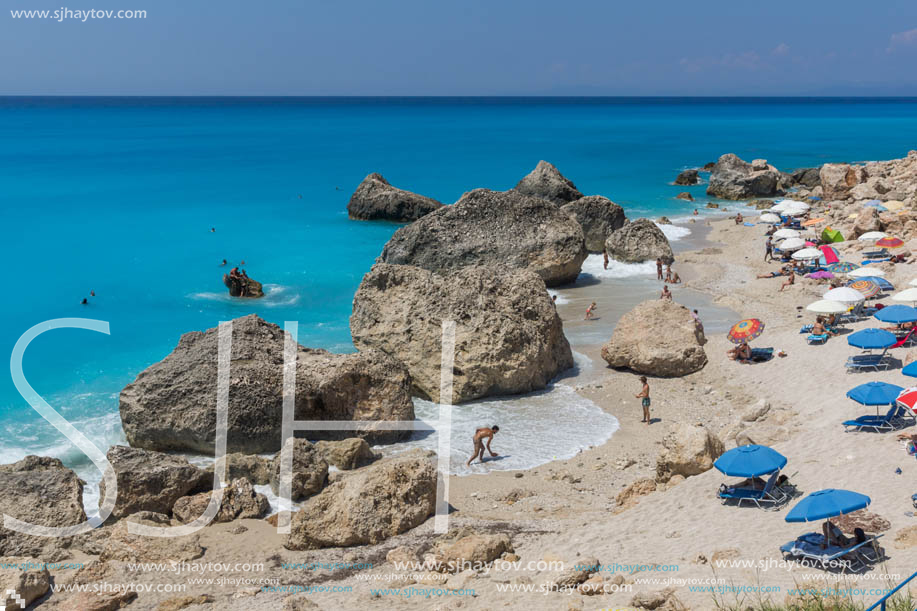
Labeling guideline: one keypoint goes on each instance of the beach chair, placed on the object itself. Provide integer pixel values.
(771, 494)
(817, 339)
(811, 547)
(806, 328)
(889, 422)
(864, 362)
(876, 254)
(908, 339)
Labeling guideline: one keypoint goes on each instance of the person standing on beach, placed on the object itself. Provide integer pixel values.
(479, 436)
(769, 250)
(644, 396)
(590, 311)
(605, 257)
(658, 268)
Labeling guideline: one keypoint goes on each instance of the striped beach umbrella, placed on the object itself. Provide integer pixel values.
(842, 267)
(908, 399)
(745, 330)
(890, 242)
(869, 288)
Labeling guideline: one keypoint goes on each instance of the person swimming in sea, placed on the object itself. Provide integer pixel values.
(84, 302)
(223, 263)
(479, 436)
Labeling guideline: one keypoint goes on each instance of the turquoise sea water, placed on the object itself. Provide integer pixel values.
(119, 195)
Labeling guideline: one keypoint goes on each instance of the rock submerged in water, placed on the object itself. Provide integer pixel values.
(546, 182)
(685, 196)
(687, 178)
(501, 228)
(242, 286)
(369, 505)
(598, 216)
(376, 200)
(172, 404)
(639, 241)
(658, 338)
(733, 178)
(509, 338)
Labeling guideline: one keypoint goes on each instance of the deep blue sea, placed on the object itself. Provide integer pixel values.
(119, 196)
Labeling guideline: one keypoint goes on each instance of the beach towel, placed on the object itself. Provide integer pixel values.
(749, 224)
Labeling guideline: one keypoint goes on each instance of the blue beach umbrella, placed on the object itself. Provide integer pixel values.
(750, 461)
(884, 284)
(875, 393)
(872, 339)
(826, 504)
(897, 314)
(910, 370)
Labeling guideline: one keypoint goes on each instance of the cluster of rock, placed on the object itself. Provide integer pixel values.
(243, 286)
(598, 216)
(546, 182)
(639, 241)
(172, 405)
(376, 200)
(659, 338)
(733, 178)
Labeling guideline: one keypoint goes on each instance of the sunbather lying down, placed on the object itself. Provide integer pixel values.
(834, 536)
(752, 483)
(775, 274)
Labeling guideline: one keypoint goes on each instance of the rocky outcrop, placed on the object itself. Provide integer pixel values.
(509, 338)
(20, 584)
(124, 546)
(172, 404)
(369, 505)
(346, 454)
(473, 551)
(687, 450)
(493, 228)
(239, 500)
(310, 471)
(152, 481)
(255, 469)
(687, 177)
(376, 200)
(685, 196)
(546, 182)
(598, 216)
(867, 220)
(837, 179)
(242, 286)
(733, 178)
(638, 241)
(806, 177)
(658, 338)
(42, 491)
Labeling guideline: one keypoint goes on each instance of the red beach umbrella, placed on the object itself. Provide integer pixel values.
(908, 398)
(745, 330)
(890, 242)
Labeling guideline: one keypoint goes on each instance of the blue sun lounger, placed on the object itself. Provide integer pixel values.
(853, 558)
(817, 339)
(891, 421)
(771, 493)
(862, 362)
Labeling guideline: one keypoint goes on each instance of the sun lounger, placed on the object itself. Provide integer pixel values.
(863, 362)
(908, 338)
(806, 328)
(889, 422)
(817, 339)
(876, 254)
(771, 493)
(809, 547)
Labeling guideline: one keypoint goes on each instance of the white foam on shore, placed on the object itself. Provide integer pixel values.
(554, 424)
(673, 233)
(594, 266)
(275, 295)
(560, 298)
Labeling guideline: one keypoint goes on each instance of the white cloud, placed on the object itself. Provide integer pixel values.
(781, 49)
(902, 39)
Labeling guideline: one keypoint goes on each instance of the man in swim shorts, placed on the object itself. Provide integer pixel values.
(644, 396)
(479, 436)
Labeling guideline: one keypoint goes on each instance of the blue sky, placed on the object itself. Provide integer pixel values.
(470, 47)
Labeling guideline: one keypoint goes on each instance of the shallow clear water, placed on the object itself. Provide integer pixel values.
(119, 196)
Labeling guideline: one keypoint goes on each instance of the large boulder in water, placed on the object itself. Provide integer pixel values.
(509, 338)
(172, 404)
(687, 177)
(42, 491)
(242, 286)
(598, 216)
(658, 338)
(733, 178)
(501, 228)
(369, 505)
(639, 241)
(376, 200)
(546, 182)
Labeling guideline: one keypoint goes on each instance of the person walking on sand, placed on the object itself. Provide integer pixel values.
(769, 250)
(605, 257)
(658, 268)
(644, 396)
(590, 311)
(479, 436)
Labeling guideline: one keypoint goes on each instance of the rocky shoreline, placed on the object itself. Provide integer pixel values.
(372, 511)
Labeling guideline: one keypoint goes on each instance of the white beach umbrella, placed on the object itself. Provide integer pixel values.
(872, 236)
(769, 218)
(778, 208)
(913, 282)
(866, 270)
(845, 294)
(792, 244)
(791, 202)
(782, 234)
(807, 253)
(793, 206)
(906, 295)
(825, 306)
